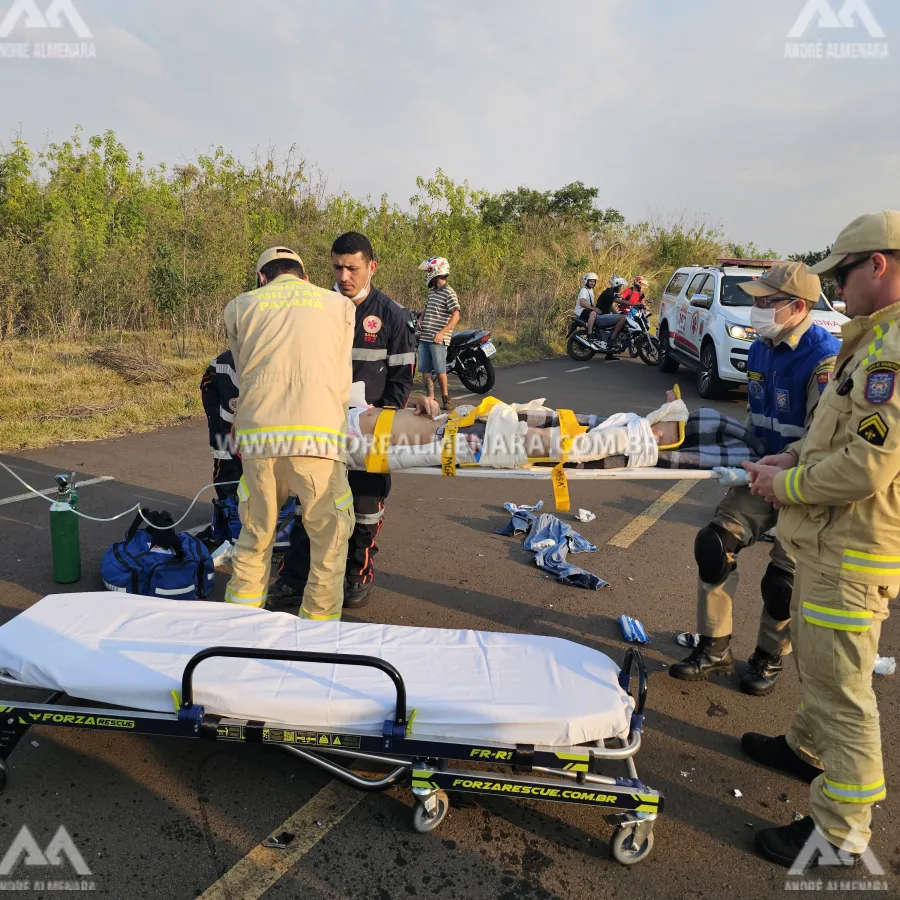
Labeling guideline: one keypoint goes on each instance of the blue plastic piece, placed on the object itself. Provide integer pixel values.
(629, 783)
(633, 631)
(637, 723)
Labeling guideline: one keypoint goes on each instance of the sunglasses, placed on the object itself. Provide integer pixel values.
(770, 302)
(842, 273)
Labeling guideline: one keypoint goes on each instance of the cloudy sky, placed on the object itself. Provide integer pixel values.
(669, 108)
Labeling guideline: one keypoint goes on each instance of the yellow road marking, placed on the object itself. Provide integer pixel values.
(631, 532)
(262, 867)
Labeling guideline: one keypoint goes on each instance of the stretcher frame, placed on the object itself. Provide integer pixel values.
(553, 774)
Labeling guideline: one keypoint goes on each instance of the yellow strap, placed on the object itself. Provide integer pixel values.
(568, 429)
(454, 423)
(377, 460)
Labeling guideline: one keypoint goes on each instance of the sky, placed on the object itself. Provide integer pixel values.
(673, 109)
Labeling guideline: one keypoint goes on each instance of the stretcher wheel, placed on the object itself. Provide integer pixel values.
(4, 770)
(422, 823)
(626, 850)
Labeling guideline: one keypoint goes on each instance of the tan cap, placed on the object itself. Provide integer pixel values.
(793, 279)
(274, 253)
(868, 233)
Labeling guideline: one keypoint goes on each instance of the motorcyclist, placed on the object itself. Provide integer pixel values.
(608, 318)
(586, 304)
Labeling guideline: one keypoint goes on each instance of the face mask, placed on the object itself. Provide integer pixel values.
(763, 320)
(362, 293)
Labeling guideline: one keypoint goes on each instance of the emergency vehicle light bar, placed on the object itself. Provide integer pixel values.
(750, 263)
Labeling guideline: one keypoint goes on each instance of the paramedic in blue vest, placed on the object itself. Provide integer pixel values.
(788, 367)
(384, 356)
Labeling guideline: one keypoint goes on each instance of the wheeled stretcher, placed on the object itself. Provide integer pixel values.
(521, 716)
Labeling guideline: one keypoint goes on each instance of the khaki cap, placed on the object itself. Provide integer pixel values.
(277, 253)
(793, 279)
(867, 234)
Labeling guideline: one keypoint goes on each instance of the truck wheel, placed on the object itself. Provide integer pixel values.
(667, 363)
(708, 382)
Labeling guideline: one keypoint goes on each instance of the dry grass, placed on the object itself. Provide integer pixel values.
(52, 393)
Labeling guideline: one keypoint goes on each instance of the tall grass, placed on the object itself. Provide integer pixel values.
(95, 243)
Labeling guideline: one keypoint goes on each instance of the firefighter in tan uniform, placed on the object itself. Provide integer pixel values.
(839, 493)
(292, 343)
(787, 367)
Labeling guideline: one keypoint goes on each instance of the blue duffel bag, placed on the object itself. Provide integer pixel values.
(226, 525)
(153, 561)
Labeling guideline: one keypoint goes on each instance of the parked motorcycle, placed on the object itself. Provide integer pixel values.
(634, 338)
(469, 358)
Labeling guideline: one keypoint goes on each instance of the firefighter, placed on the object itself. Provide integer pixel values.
(839, 494)
(787, 369)
(384, 356)
(291, 343)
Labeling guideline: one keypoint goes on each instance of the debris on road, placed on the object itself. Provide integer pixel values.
(633, 630)
(222, 554)
(551, 539)
(585, 515)
(35, 744)
(885, 665)
(737, 793)
(687, 639)
(798, 817)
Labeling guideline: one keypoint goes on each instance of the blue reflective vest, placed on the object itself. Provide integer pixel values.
(777, 382)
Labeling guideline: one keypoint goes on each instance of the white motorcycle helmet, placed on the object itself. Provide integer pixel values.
(435, 267)
(617, 281)
(591, 276)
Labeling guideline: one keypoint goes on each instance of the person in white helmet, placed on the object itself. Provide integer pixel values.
(585, 303)
(436, 326)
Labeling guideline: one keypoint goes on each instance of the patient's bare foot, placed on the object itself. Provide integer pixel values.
(670, 397)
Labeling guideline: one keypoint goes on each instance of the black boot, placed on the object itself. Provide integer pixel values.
(283, 596)
(784, 845)
(775, 752)
(712, 656)
(762, 672)
(356, 594)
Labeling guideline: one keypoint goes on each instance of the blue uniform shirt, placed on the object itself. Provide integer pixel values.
(778, 382)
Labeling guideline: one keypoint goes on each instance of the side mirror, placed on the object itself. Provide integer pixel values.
(700, 300)
(839, 306)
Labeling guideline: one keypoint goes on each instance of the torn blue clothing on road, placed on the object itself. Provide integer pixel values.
(551, 539)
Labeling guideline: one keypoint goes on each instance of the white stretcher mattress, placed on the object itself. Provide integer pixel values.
(131, 651)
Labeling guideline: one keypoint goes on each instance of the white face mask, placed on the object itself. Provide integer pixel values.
(362, 293)
(763, 320)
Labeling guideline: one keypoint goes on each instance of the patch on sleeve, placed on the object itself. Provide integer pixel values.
(823, 378)
(880, 383)
(873, 429)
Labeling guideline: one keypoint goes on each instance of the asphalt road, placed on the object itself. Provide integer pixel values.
(167, 818)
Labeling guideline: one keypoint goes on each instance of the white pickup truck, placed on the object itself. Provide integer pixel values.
(704, 322)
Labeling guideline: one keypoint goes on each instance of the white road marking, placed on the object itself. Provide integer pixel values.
(48, 491)
(262, 867)
(196, 529)
(530, 380)
(631, 532)
(463, 396)
(569, 371)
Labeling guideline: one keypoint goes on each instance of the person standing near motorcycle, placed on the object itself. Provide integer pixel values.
(585, 304)
(383, 358)
(436, 326)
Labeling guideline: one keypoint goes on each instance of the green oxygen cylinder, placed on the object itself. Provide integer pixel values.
(65, 541)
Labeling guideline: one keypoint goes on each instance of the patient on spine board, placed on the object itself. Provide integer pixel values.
(420, 431)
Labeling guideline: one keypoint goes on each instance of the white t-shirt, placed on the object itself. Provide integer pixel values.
(584, 294)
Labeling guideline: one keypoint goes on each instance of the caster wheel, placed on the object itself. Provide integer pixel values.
(4, 772)
(422, 823)
(624, 848)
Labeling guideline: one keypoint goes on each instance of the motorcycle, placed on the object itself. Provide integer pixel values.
(469, 358)
(634, 338)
